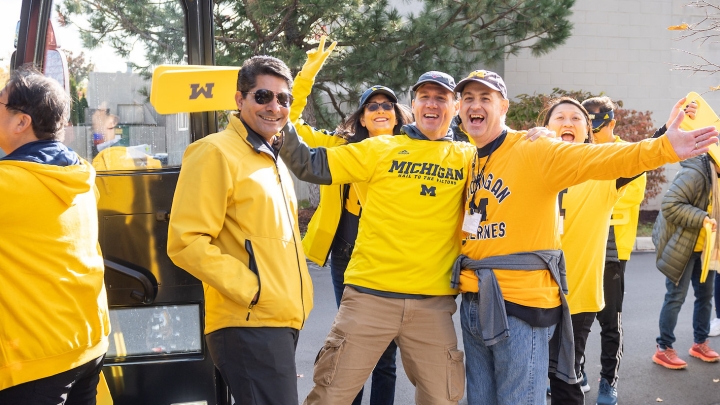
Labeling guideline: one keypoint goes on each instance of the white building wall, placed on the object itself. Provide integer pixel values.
(622, 48)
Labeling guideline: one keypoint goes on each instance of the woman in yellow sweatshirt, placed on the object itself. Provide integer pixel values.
(334, 226)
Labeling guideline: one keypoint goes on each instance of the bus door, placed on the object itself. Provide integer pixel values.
(157, 351)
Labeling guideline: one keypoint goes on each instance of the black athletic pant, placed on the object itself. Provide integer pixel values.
(610, 318)
(562, 392)
(77, 386)
(258, 364)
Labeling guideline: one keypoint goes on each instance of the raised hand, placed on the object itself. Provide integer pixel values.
(690, 143)
(316, 59)
(689, 109)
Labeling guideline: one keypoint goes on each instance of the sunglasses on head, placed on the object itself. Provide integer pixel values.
(386, 105)
(263, 96)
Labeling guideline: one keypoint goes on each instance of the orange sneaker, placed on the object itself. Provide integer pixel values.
(703, 352)
(668, 358)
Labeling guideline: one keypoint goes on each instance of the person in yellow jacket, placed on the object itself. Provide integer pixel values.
(620, 242)
(54, 323)
(334, 226)
(233, 225)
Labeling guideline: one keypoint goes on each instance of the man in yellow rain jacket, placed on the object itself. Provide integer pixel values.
(53, 306)
(234, 226)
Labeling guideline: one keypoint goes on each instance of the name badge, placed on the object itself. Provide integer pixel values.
(471, 222)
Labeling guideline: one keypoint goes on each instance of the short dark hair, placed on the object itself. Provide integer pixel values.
(353, 131)
(569, 100)
(42, 98)
(262, 65)
(601, 104)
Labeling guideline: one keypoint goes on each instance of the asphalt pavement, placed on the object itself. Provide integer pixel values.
(641, 381)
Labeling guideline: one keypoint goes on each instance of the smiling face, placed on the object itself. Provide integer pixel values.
(434, 107)
(482, 110)
(265, 119)
(569, 123)
(380, 121)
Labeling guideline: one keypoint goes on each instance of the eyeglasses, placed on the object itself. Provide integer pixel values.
(387, 106)
(13, 108)
(263, 96)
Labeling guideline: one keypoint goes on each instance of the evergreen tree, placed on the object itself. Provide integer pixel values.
(376, 44)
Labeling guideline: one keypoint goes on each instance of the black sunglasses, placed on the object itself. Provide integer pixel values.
(263, 96)
(387, 106)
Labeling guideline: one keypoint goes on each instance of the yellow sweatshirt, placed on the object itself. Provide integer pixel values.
(518, 193)
(53, 305)
(419, 181)
(587, 208)
(232, 190)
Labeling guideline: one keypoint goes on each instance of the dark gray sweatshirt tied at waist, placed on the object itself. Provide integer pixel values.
(491, 305)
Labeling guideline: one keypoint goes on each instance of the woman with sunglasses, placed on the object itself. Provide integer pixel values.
(585, 211)
(334, 226)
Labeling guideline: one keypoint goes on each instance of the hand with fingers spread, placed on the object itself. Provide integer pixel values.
(316, 59)
(537, 132)
(690, 143)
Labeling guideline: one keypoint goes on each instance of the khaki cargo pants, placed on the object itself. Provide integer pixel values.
(364, 326)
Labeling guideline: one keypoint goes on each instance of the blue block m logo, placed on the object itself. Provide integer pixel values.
(429, 191)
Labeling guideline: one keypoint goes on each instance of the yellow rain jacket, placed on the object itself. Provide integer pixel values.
(53, 305)
(233, 225)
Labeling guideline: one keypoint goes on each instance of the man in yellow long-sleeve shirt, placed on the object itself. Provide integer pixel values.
(621, 239)
(511, 217)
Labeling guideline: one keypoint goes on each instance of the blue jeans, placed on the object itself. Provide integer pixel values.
(674, 298)
(513, 371)
(382, 391)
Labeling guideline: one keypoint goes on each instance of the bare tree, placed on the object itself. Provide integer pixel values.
(702, 32)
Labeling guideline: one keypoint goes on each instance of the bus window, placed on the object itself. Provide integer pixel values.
(113, 124)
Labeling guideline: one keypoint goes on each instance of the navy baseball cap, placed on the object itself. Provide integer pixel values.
(443, 79)
(486, 77)
(377, 90)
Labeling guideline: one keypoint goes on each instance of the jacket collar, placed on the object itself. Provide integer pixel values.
(412, 131)
(458, 133)
(257, 142)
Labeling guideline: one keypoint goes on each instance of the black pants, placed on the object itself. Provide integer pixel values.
(562, 392)
(77, 386)
(610, 318)
(258, 364)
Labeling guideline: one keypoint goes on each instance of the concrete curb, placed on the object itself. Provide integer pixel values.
(643, 244)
